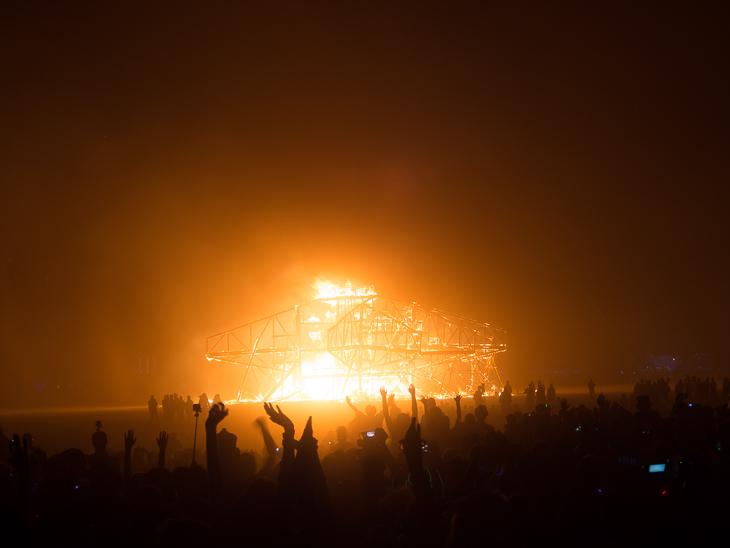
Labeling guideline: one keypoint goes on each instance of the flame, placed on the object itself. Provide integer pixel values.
(319, 379)
(324, 289)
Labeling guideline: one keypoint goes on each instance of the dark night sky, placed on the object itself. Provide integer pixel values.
(173, 170)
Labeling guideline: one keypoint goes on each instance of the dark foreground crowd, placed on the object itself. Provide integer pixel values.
(571, 476)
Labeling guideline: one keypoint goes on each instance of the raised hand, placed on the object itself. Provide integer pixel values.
(129, 440)
(457, 399)
(412, 390)
(564, 405)
(19, 455)
(391, 399)
(162, 444)
(278, 417)
(216, 414)
(21, 466)
(162, 440)
(383, 391)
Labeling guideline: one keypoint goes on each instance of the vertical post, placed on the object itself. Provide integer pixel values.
(195, 435)
(298, 375)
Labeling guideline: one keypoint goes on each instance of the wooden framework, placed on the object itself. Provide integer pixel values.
(354, 343)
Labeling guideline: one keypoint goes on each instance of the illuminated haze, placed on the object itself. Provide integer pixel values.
(168, 174)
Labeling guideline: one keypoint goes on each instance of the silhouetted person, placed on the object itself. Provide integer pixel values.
(368, 421)
(591, 388)
(506, 398)
(152, 405)
(396, 428)
(540, 398)
(189, 407)
(99, 441)
(28, 442)
(482, 426)
(179, 407)
(204, 403)
(679, 387)
(166, 407)
(551, 395)
(530, 396)
(479, 396)
(342, 444)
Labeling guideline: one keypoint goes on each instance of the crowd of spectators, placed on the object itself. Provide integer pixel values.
(605, 474)
(175, 408)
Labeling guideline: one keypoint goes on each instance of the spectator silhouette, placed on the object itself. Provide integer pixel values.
(364, 422)
(152, 405)
(540, 397)
(505, 398)
(530, 396)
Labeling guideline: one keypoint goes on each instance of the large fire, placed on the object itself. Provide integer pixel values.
(325, 289)
(350, 341)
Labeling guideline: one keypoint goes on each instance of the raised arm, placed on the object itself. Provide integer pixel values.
(414, 457)
(129, 441)
(384, 397)
(271, 448)
(414, 402)
(286, 491)
(352, 406)
(386, 412)
(287, 439)
(216, 414)
(162, 445)
(21, 470)
(564, 406)
(457, 399)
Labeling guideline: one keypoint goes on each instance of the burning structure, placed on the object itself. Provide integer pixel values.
(353, 341)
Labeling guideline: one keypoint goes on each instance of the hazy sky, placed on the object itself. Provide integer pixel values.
(171, 170)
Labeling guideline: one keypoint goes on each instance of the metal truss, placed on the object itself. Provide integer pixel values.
(355, 343)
